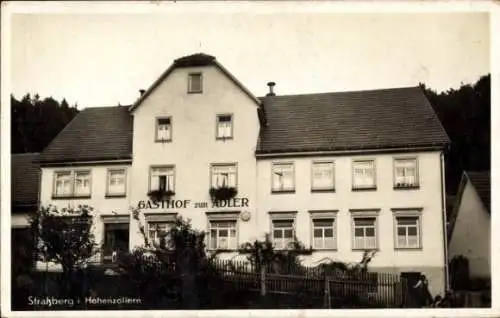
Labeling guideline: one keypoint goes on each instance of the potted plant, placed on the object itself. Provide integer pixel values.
(222, 193)
(160, 194)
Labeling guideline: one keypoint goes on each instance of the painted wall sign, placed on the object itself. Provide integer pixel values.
(187, 204)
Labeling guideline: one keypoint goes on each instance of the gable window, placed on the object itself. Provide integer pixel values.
(224, 126)
(223, 235)
(72, 184)
(283, 233)
(195, 83)
(164, 129)
(162, 179)
(405, 173)
(116, 182)
(223, 176)
(364, 230)
(363, 174)
(322, 176)
(283, 177)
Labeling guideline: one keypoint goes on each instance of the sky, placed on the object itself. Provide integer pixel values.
(104, 59)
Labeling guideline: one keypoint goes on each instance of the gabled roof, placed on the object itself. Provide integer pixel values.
(25, 181)
(97, 133)
(385, 118)
(194, 60)
(481, 181)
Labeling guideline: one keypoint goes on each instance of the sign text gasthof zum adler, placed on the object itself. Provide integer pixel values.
(185, 204)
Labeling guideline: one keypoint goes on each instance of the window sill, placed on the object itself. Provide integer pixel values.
(365, 249)
(364, 189)
(114, 196)
(195, 92)
(331, 190)
(70, 197)
(163, 141)
(224, 138)
(282, 191)
(324, 250)
(408, 248)
(413, 187)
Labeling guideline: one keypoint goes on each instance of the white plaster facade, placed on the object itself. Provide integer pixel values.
(471, 236)
(194, 148)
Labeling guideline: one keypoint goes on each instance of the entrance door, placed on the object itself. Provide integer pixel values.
(116, 240)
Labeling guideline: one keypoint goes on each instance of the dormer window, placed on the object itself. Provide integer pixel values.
(195, 83)
(224, 127)
(163, 129)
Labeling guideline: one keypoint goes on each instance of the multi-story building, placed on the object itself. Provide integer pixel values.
(343, 172)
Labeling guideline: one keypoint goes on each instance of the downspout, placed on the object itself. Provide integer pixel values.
(445, 224)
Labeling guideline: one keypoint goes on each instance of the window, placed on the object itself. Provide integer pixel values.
(224, 127)
(324, 234)
(223, 176)
(407, 232)
(162, 179)
(163, 129)
(157, 229)
(223, 235)
(405, 173)
(195, 83)
(365, 234)
(283, 177)
(364, 174)
(116, 182)
(72, 184)
(322, 176)
(283, 233)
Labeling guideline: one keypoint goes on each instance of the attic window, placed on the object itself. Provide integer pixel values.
(163, 129)
(195, 83)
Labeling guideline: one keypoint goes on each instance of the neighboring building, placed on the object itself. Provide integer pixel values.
(25, 185)
(471, 223)
(342, 171)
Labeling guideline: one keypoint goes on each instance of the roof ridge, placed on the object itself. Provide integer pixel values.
(343, 92)
(100, 107)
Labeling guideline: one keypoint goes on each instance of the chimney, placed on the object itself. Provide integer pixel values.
(142, 91)
(271, 90)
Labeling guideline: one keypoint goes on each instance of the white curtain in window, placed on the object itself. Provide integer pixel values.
(116, 183)
(168, 173)
(224, 176)
(283, 177)
(164, 132)
(364, 174)
(224, 128)
(406, 171)
(322, 175)
(82, 183)
(63, 184)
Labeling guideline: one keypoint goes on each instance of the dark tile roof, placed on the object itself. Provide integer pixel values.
(24, 179)
(481, 180)
(193, 60)
(386, 118)
(97, 133)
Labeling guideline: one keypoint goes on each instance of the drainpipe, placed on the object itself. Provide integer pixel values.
(445, 221)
